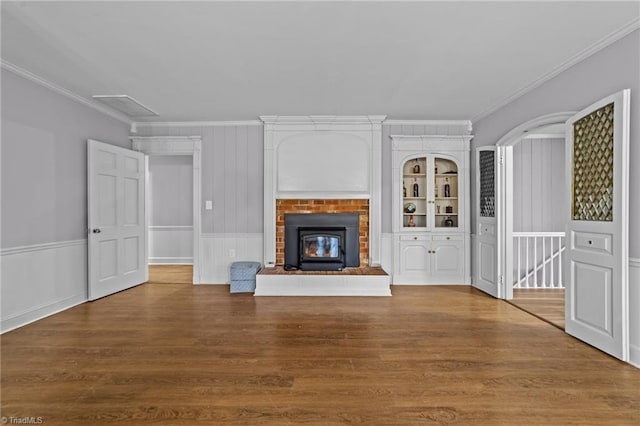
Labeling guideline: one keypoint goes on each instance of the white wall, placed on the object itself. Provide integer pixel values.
(171, 209)
(44, 197)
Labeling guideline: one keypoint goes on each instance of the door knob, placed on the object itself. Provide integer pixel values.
(96, 230)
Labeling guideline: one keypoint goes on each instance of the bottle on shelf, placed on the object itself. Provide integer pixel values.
(448, 222)
(416, 167)
(411, 223)
(447, 188)
(404, 190)
(435, 191)
(415, 188)
(436, 168)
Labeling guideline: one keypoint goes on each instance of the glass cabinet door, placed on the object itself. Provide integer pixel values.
(414, 193)
(445, 191)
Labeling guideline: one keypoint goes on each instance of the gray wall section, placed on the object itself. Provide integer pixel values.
(232, 175)
(233, 165)
(44, 162)
(171, 190)
(610, 70)
(538, 185)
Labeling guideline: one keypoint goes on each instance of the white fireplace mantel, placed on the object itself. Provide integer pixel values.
(322, 157)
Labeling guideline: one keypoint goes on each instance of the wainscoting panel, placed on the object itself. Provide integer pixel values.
(634, 311)
(41, 280)
(218, 251)
(170, 245)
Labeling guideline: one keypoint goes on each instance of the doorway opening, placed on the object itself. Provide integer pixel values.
(184, 153)
(538, 193)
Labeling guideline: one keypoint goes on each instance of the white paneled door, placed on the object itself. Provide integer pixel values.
(487, 241)
(116, 218)
(596, 268)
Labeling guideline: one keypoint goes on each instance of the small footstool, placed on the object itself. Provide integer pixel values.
(243, 276)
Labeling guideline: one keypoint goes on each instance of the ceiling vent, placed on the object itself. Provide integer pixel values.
(126, 104)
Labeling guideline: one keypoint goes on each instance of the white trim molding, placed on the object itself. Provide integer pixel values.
(611, 38)
(40, 280)
(180, 145)
(64, 92)
(41, 247)
(163, 124)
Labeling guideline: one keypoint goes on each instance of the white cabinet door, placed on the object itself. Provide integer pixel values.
(414, 260)
(447, 260)
(596, 264)
(116, 210)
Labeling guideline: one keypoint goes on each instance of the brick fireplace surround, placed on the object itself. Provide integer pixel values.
(360, 206)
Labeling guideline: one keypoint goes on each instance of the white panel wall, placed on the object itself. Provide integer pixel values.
(218, 251)
(171, 245)
(538, 185)
(40, 280)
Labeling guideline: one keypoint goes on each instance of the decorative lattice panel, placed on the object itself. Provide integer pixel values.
(487, 184)
(593, 166)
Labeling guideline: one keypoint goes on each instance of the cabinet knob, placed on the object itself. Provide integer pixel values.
(415, 238)
(448, 238)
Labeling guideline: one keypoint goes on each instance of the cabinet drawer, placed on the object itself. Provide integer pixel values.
(454, 237)
(415, 238)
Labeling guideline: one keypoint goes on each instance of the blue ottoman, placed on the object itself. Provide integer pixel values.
(243, 276)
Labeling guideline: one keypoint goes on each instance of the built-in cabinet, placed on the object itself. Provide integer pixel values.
(430, 209)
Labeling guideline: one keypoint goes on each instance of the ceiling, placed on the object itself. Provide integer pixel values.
(204, 61)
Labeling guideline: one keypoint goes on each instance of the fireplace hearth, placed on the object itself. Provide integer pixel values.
(321, 242)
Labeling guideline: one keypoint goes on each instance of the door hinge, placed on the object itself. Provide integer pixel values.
(501, 159)
(501, 279)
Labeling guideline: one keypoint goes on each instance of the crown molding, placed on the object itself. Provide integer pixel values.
(461, 123)
(64, 92)
(322, 119)
(154, 124)
(579, 57)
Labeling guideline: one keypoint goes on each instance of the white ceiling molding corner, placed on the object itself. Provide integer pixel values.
(64, 92)
(633, 25)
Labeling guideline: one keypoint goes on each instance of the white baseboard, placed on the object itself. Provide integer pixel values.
(41, 280)
(216, 252)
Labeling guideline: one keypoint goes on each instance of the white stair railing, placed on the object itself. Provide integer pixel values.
(538, 259)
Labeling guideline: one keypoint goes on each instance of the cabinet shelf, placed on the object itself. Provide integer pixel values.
(446, 214)
(446, 175)
(414, 174)
(446, 198)
(414, 198)
(414, 214)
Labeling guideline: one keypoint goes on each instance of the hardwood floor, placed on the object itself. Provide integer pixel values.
(170, 274)
(181, 354)
(546, 304)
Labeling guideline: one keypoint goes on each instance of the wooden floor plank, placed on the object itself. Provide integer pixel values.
(182, 354)
(544, 303)
(170, 274)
